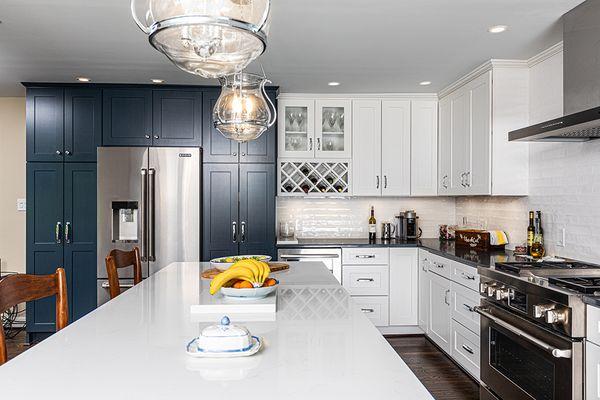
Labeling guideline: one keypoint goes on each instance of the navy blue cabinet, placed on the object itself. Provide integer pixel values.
(177, 118)
(127, 117)
(63, 124)
(61, 232)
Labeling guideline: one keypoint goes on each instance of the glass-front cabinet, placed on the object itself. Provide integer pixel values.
(315, 128)
(333, 129)
(296, 128)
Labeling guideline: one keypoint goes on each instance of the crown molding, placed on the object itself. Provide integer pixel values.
(546, 54)
(350, 96)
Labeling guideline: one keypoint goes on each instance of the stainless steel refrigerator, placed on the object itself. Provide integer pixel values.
(148, 197)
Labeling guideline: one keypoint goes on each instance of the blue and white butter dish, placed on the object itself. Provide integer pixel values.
(224, 340)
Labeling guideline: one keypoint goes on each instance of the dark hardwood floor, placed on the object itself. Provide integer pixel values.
(444, 379)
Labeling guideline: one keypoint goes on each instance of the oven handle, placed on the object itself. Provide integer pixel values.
(286, 256)
(557, 353)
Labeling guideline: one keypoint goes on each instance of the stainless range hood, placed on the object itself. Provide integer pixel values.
(581, 82)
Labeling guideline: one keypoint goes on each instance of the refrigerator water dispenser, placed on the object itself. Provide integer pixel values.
(125, 221)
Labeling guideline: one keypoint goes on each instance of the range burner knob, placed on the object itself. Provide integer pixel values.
(483, 288)
(556, 316)
(539, 310)
(502, 294)
(491, 291)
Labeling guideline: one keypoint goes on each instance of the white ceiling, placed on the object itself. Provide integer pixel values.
(368, 46)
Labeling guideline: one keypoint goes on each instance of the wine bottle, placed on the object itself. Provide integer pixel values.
(329, 180)
(305, 188)
(339, 188)
(322, 188)
(530, 232)
(372, 226)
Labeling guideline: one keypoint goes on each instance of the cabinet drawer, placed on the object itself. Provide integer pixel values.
(362, 256)
(463, 303)
(439, 265)
(593, 324)
(366, 281)
(375, 308)
(465, 348)
(465, 275)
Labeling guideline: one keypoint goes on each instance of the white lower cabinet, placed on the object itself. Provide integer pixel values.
(404, 287)
(440, 320)
(465, 348)
(376, 308)
(464, 301)
(362, 280)
(424, 291)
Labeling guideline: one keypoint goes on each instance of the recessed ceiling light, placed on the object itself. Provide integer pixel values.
(158, 81)
(83, 79)
(334, 84)
(425, 83)
(497, 28)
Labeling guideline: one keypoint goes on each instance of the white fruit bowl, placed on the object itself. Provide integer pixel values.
(222, 265)
(254, 293)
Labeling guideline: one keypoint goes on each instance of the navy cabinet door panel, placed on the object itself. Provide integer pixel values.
(45, 123)
(263, 149)
(80, 237)
(127, 117)
(177, 118)
(44, 254)
(220, 210)
(215, 147)
(83, 124)
(257, 209)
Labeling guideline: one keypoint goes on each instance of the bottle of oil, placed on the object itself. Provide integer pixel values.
(537, 248)
(530, 232)
(372, 226)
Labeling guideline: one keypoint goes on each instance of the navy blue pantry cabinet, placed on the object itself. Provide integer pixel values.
(238, 209)
(218, 149)
(61, 232)
(63, 124)
(147, 117)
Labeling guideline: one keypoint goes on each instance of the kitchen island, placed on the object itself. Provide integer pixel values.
(320, 347)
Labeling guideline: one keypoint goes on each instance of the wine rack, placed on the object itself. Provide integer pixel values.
(301, 178)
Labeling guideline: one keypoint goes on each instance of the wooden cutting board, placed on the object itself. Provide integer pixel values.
(274, 266)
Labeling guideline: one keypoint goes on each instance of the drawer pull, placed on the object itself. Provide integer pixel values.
(365, 280)
(469, 308)
(438, 265)
(365, 256)
(467, 276)
(467, 349)
(367, 310)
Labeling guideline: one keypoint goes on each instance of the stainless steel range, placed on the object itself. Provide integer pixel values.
(533, 329)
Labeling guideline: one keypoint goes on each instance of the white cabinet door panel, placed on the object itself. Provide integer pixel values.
(466, 349)
(423, 291)
(440, 321)
(464, 302)
(445, 147)
(333, 129)
(296, 128)
(395, 147)
(460, 140)
(404, 287)
(479, 156)
(366, 147)
(424, 144)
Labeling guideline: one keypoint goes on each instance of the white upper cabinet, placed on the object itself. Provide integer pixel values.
(333, 130)
(366, 144)
(296, 127)
(395, 147)
(475, 116)
(424, 144)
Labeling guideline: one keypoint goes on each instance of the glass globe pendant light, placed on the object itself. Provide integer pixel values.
(243, 110)
(210, 38)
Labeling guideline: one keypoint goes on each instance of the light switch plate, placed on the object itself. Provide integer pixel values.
(21, 205)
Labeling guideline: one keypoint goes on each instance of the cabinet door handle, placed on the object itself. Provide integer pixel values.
(365, 280)
(58, 152)
(234, 154)
(310, 146)
(385, 181)
(68, 153)
(68, 232)
(319, 144)
(468, 308)
(243, 154)
(58, 233)
(462, 180)
(156, 136)
(467, 276)
(424, 264)
(243, 232)
(467, 349)
(234, 232)
(468, 178)
(367, 310)
(147, 136)
(446, 297)
(377, 179)
(365, 256)
(445, 181)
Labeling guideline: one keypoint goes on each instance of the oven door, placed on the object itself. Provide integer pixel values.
(520, 360)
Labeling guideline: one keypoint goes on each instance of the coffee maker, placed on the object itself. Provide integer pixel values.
(407, 226)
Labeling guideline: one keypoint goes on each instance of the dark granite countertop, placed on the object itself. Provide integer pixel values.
(436, 246)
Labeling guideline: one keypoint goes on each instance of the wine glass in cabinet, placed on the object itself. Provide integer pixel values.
(333, 135)
(296, 128)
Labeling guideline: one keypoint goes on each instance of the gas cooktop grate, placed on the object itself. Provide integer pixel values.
(583, 284)
(516, 267)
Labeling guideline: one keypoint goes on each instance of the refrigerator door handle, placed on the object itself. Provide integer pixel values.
(151, 215)
(144, 215)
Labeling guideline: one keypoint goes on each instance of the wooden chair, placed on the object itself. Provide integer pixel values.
(19, 288)
(121, 259)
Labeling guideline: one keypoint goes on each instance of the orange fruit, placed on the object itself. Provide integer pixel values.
(270, 282)
(237, 284)
(244, 285)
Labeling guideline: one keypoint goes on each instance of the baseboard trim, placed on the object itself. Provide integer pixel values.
(400, 330)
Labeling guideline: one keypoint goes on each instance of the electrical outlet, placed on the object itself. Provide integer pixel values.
(21, 205)
(562, 235)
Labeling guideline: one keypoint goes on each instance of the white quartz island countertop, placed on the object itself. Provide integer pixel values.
(133, 347)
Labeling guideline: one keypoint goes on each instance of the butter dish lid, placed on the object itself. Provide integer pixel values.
(224, 330)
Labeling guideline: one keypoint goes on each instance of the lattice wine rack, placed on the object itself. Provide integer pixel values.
(298, 178)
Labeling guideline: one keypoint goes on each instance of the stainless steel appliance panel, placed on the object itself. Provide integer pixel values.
(173, 206)
(332, 258)
(103, 291)
(119, 180)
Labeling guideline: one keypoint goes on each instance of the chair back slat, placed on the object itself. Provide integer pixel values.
(117, 259)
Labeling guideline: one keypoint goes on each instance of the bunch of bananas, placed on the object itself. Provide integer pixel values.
(250, 270)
